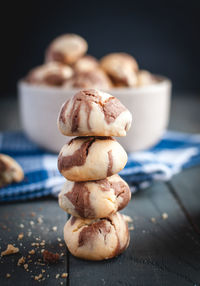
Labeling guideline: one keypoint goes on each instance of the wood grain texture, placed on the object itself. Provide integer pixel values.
(12, 219)
(166, 252)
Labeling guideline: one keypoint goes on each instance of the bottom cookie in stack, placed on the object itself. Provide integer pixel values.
(97, 239)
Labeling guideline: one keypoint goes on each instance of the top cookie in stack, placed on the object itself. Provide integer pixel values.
(94, 113)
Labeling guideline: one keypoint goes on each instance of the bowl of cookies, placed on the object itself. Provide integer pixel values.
(67, 69)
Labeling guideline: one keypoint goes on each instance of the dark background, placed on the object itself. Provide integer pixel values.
(162, 35)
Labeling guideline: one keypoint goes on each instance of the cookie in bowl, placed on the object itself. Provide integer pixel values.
(66, 49)
(96, 78)
(86, 64)
(51, 74)
(121, 68)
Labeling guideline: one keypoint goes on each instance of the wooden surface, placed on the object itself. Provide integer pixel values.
(163, 252)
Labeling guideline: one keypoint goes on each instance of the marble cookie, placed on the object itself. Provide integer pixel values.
(10, 171)
(121, 68)
(94, 113)
(66, 49)
(97, 239)
(91, 79)
(94, 199)
(53, 74)
(91, 158)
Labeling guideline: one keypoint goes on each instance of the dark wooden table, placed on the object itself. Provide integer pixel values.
(161, 251)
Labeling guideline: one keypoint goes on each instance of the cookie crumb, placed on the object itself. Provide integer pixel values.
(32, 251)
(54, 228)
(38, 277)
(8, 275)
(127, 218)
(33, 214)
(10, 250)
(164, 216)
(20, 236)
(59, 239)
(50, 257)
(29, 233)
(57, 276)
(153, 219)
(40, 220)
(64, 275)
(21, 261)
(26, 266)
(43, 271)
(32, 222)
(21, 225)
(131, 227)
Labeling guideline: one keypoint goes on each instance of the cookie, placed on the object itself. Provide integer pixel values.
(121, 68)
(91, 158)
(94, 113)
(66, 49)
(97, 239)
(53, 74)
(86, 64)
(145, 78)
(91, 79)
(95, 199)
(10, 171)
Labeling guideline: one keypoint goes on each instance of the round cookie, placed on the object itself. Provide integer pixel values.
(145, 78)
(91, 158)
(97, 239)
(94, 113)
(91, 79)
(53, 74)
(85, 64)
(121, 68)
(95, 199)
(66, 49)
(10, 171)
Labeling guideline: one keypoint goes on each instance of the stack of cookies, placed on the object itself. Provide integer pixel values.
(94, 193)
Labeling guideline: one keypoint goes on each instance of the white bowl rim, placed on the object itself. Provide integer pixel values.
(163, 82)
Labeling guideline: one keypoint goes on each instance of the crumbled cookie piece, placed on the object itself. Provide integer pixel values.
(26, 266)
(38, 277)
(64, 275)
(153, 219)
(54, 228)
(20, 236)
(57, 276)
(21, 261)
(32, 251)
(164, 216)
(50, 257)
(8, 275)
(10, 250)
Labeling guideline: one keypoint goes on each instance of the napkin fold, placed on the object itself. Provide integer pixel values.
(175, 151)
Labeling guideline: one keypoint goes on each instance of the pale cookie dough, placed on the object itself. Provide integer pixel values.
(94, 199)
(10, 171)
(97, 239)
(91, 158)
(66, 49)
(85, 64)
(121, 68)
(145, 78)
(94, 113)
(91, 79)
(53, 74)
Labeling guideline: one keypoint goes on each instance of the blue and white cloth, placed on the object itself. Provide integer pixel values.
(175, 152)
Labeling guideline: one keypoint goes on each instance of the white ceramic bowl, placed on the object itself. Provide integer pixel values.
(150, 106)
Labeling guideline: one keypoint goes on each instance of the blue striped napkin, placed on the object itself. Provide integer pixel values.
(175, 152)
